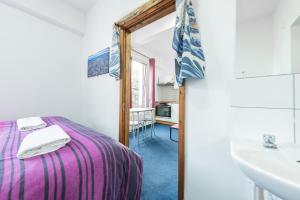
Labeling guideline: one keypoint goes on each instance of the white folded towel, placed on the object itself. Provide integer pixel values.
(30, 123)
(43, 141)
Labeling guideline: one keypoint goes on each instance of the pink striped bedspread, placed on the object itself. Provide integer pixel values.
(91, 166)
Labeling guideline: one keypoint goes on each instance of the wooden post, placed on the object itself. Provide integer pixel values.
(149, 12)
(181, 142)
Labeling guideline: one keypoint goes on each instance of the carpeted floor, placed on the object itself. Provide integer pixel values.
(160, 156)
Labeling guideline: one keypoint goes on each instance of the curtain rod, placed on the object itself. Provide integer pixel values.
(140, 53)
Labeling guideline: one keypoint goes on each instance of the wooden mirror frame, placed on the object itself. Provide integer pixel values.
(149, 12)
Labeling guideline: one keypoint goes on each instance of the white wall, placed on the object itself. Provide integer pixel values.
(57, 12)
(209, 168)
(101, 94)
(210, 172)
(295, 42)
(263, 105)
(297, 106)
(39, 66)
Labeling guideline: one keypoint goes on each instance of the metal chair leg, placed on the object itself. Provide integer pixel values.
(171, 136)
(152, 128)
(151, 131)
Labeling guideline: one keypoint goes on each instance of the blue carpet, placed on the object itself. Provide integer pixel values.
(160, 157)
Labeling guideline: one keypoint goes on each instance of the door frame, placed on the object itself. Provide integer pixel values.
(149, 12)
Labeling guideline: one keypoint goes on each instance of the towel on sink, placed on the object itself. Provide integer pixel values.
(30, 123)
(43, 141)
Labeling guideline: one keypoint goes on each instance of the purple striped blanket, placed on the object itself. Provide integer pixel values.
(91, 166)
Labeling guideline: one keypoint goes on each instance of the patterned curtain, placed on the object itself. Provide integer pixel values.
(114, 61)
(190, 60)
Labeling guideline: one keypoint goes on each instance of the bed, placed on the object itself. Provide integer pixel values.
(91, 166)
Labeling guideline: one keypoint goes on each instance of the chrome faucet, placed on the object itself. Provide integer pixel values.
(270, 141)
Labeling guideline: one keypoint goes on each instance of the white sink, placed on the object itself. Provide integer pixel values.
(276, 170)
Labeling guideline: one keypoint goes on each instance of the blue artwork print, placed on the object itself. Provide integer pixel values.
(99, 63)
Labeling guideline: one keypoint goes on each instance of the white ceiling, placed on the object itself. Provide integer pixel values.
(156, 37)
(155, 40)
(82, 5)
(158, 44)
(142, 35)
(250, 9)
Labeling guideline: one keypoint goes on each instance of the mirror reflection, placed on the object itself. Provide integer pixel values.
(268, 38)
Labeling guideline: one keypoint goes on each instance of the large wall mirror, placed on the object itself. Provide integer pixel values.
(268, 38)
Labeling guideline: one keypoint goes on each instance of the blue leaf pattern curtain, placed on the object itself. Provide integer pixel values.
(190, 60)
(114, 61)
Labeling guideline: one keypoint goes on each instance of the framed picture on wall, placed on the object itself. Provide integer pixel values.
(98, 63)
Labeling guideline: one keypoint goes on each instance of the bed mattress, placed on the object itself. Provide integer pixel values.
(91, 166)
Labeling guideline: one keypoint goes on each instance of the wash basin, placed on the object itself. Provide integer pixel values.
(275, 170)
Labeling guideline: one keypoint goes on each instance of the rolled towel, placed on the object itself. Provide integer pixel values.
(43, 141)
(30, 123)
